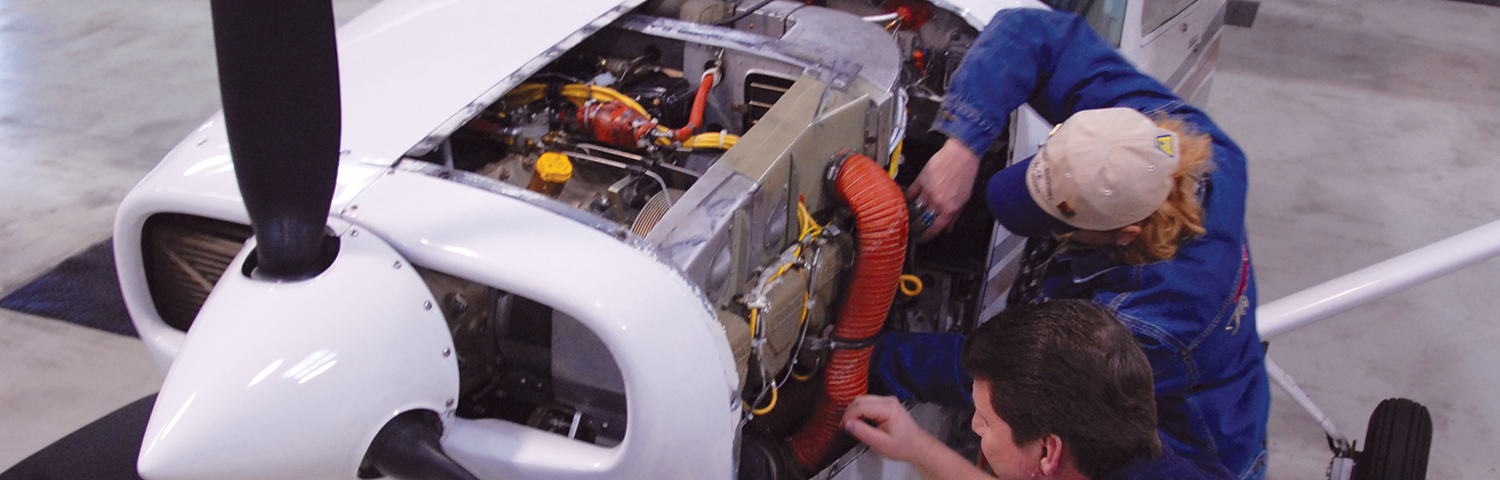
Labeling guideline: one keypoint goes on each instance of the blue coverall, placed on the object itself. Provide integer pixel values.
(1193, 314)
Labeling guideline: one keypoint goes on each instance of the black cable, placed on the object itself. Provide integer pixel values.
(564, 77)
(744, 14)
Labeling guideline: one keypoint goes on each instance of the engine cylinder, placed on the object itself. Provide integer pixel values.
(615, 123)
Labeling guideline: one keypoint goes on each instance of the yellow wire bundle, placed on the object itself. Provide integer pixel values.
(719, 140)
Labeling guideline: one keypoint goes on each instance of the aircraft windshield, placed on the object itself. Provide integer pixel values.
(1107, 17)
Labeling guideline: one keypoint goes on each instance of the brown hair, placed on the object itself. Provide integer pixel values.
(1181, 217)
(1069, 368)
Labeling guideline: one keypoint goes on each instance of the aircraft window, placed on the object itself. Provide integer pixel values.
(1107, 17)
(1155, 13)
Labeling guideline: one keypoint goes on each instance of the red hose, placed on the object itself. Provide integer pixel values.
(699, 103)
(880, 214)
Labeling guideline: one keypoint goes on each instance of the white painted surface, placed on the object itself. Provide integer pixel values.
(673, 355)
(979, 12)
(407, 66)
(292, 380)
(1377, 281)
(196, 178)
(1370, 128)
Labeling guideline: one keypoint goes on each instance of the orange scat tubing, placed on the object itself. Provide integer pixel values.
(881, 221)
(699, 103)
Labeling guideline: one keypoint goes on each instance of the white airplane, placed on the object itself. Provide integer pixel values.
(612, 239)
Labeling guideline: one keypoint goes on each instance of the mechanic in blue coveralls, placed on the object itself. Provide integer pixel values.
(1136, 202)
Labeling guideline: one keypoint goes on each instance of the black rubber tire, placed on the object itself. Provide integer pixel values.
(1397, 442)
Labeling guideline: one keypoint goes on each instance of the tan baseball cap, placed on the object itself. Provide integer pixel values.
(1100, 170)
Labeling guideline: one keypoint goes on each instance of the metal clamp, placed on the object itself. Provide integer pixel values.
(839, 343)
(831, 175)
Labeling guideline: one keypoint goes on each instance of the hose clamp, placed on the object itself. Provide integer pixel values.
(840, 343)
(831, 175)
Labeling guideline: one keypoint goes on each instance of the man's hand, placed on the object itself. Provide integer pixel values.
(945, 185)
(895, 436)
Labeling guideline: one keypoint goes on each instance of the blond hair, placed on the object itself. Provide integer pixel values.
(1180, 218)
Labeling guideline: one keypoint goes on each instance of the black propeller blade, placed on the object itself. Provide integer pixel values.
(407, 448)
(279, 79)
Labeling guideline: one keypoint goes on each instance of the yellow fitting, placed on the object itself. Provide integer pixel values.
(554, 167)
(911, 285)
(896, 158)
(767, 408)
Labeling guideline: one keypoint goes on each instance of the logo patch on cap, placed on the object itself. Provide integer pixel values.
(1066, 210)
(1164, 143)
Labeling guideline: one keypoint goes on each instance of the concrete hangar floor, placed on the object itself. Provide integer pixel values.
(1372, 128)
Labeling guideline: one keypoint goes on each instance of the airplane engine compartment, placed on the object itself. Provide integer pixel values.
(712, 139)
(636, 121)
(688, 133)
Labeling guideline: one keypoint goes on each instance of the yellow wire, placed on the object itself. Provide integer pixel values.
(712, 140)
(810, 227)
(780, 271)
(753, 315)
(577, 93)
(896, 157)
(767, 409)
(805, 300)
(911, 279)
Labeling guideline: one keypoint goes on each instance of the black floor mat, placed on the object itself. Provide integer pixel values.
(103, 450)
(82, 290)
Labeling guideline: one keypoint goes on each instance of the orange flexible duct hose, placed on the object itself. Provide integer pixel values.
(880, 214)
(699, 103)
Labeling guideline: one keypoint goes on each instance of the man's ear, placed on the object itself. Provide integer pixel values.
(1051, 461)
(1127, 234)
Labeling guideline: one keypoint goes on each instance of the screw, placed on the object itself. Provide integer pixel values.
(458, 303)
(354, 233)
(396, 264)
(427, 305)
(447, 352)
(451, 402)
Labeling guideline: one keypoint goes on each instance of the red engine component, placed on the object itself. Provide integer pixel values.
(913, 13)
(700, 101)
(615, 123)
(881, 220)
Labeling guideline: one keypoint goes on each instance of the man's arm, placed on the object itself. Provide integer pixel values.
(897, 437)
(1051, 60)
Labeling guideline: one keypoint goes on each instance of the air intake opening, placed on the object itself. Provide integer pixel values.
(184, 256)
